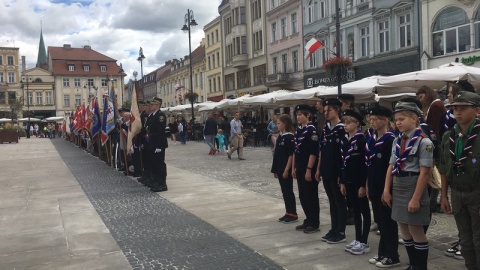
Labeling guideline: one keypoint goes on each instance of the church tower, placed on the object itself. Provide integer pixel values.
(42, 59)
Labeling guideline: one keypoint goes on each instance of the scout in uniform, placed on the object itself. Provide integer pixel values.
(459, 168)
(406, 182)
(157, 143)
(378, 149)
(353, 180)
(330, 169)
(282, 165)
(304, 161)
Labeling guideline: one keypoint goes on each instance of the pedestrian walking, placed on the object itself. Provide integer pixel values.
(182, 130)
(406, 182)
(305, 161)
(282, 166)
(273, 131)
(210, 131)
(236, 137)
(354, 179)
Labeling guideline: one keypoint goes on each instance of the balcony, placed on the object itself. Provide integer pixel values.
(240, 61)
(278, 79)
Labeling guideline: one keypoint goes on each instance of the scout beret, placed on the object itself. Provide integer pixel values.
(355, 115)
(464, 98)
(380, 111)
(304, 107)
(157, 101)
(408, 106)
(465, 86)
(332, 101)
(346, 97)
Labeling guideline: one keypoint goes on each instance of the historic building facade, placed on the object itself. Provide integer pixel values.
(39, 92)
(10, 87)
(213, 55)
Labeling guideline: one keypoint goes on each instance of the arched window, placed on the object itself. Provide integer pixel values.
(451, 32)
(477, 29)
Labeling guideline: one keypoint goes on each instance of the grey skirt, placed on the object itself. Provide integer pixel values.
(402, 192)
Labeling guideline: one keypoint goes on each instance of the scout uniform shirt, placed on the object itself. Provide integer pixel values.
(331, 162)
(284, 148)
(377, 158)
(306, 144)
(354, 169)
(420, 152)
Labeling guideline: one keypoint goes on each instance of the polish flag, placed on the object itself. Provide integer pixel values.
(311, 46)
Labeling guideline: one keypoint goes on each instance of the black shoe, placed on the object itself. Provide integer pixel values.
(229, 155)
(328, 236)
(159, 189)
(289, 219)
(387, 263)
(301, 227)
(282, 218)
(452, 250)
(337, 238)
(311, 229)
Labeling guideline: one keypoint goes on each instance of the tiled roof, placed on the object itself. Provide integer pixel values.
(198, 54)
(163, 71)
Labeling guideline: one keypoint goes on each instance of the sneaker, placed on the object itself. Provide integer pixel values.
(375, 259)
(387, 262)
(337, 238)
(301, 227)
(373, 227)
(282, 218)
(311, 229)
(328, 236)
(452, 250)
(458, 255)
(351, 245)
(360, 249)
(214, 151)
(289, 219)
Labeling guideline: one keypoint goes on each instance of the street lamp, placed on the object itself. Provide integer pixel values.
(27, 79)
(337, 29)
(190, 22)
(140, 58)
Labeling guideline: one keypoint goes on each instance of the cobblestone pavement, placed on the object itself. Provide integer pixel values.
(152, 232)
(254, 174)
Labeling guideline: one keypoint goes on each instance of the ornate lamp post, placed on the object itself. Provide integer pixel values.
(27, 79)
(140, 58)
(189, 23)
(337, 30)
(90, 94)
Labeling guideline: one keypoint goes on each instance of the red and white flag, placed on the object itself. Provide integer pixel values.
(311, 46)
(178, 87)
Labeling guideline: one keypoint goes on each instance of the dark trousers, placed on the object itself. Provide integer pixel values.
(388, 245)
(286, 184)
(158, 168)
(361, 213)
(308, 194)
(137, 162)
(338, 205)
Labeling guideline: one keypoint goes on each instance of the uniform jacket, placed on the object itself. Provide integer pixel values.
(284, 148)
(355, 170)
(377, 170)
(331, 159)
(156, 125)
(306, 144)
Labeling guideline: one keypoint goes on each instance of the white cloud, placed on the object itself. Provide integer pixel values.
(115, 28)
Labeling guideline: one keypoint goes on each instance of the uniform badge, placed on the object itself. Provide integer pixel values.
(379, 155)
(429, 148)
(474, 161)
(355, 147)
(282, 143)
(410, 159)
(314, 138)
(161, 119)
(337, 140)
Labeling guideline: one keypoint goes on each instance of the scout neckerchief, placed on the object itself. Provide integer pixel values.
(353, 141)
(371, 153)
(448, 119)
(458, 154)
(401, 157)
(300, 133)
(331, 133)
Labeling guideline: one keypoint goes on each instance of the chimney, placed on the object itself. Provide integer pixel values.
(67, 46)
(87, 47)
(24, 65)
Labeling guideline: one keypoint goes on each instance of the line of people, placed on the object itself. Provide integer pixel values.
(388, 165)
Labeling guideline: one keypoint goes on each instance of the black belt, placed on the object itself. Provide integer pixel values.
(407, 174)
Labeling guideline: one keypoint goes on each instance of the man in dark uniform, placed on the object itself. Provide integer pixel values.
(144, 113)
(157, 143)
(137, 146)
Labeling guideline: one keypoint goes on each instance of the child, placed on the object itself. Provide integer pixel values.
(330, 169)
(221, 142)
(377, 156)
(282, 164)
(353, 180)
(406, 182)
(304, 160)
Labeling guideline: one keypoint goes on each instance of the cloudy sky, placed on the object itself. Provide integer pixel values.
(116, 28)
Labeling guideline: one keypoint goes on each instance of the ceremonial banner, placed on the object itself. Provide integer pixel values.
(135, 121)
(96, 125)
(109, 116)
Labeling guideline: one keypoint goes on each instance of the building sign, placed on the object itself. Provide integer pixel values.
(314, 81)
(470, 60)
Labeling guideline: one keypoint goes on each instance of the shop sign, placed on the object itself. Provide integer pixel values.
(470, 60)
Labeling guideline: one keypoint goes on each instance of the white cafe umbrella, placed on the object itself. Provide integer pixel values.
(211, 106)
(435, 78)
(264, 99)
(5, 120)
(298, 96)
(32, 119)
(233, 102)
(54, 118)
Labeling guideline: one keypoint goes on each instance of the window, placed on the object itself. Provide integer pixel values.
(243, 18)
(310, 12)
(29, 98)
(244, 45)
(272, 4)
(259, 74)
(71, 68)
(66, 82)
(10, 60)
(3, 100)
(323, 51)
(256, 9)
(405, 31)
(48, 98)
(39, 98)
(284, 63)
(257, 41)
(218, 59)
(104, 83)
(90, 82)
(365, 41)
(213, 60)
(210, 85)
(66, 100)
(208, 40)
(12, 97)
(216, 34)
(312, 63)
(78, 100)
(11, 77)
(1, 78)
(383, 36)
(230, 82)
(214, 85)
(1, 60)
(451, 35)
(76, 82)
(283, 25)
(323, 10)
(209, 63)
(295, 61)
(476, 26)
(274, 65)
(86, 68)
(293, 18)
(103, 68)
(274, 29)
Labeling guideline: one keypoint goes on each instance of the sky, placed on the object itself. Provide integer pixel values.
(115, 28)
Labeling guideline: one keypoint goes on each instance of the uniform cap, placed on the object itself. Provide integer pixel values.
(157, 101)
(464, 98)
(380, 111)
(346, 97)
(123, 109)
(413, 100)
(141, 103)
(332, 101)
(408, 106)
(466, 86)
(355, 115)
(304, 107)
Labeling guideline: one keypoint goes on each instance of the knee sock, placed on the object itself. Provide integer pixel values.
(410, 251)
(421, 255)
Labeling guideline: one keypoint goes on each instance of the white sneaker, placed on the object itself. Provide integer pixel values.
(375, 259)
(351, 245)
(360, 249)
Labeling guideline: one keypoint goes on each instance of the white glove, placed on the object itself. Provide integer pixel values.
(158, 150)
